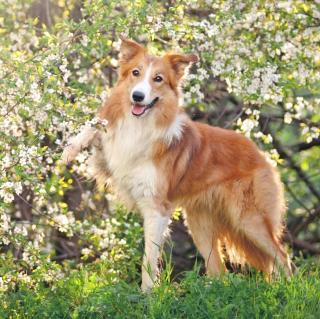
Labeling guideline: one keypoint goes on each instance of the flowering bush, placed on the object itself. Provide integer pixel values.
(258, 73)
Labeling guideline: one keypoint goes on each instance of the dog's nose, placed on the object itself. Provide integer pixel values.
(138, 96)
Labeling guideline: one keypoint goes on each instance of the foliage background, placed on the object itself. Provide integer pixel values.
(258, 73)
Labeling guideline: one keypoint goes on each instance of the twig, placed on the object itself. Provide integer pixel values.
(312, 216)
(284, 154)
(302, 244)
(305, 146)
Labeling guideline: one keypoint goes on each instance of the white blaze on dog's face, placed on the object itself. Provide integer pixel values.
(152, 82)
(142, 95)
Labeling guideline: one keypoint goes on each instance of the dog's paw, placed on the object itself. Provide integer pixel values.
(147, 283)
(146, 288)
(69, 153)
(78, 143)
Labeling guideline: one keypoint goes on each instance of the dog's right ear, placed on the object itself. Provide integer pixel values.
(129, 49)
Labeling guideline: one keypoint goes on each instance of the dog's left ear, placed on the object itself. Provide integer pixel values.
(181, 62)
(129, 49)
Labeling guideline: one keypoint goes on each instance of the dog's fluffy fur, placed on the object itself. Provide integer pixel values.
(159, 159)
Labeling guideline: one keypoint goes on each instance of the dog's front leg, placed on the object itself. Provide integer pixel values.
(155, 225)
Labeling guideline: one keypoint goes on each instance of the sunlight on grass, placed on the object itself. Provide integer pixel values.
(92, 293)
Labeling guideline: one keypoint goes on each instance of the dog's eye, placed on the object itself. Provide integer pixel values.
(135, 72)
(158, 78)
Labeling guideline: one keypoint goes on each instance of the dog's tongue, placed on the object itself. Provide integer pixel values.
(137, 109)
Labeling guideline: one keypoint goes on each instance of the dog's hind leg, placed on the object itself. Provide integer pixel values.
(205, 237)
(255, 210)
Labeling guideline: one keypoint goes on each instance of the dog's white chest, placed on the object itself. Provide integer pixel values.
(128, 152)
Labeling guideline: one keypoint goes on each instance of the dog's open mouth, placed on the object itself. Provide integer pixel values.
(139, 109)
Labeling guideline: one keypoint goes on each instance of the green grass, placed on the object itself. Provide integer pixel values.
(90, 293)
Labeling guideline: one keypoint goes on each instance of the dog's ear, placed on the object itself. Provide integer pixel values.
(181, 62)
(129, 49)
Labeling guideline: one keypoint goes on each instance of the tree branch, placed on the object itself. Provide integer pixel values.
(312, 216)
(285, 155)
(305, 146)
(301, 244)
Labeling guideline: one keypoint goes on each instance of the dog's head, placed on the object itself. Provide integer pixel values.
(152, 83)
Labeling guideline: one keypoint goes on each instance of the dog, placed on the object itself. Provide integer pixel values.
(159, 159)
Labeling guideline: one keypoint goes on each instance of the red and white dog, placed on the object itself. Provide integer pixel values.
(159, 159)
